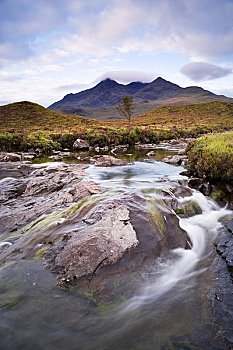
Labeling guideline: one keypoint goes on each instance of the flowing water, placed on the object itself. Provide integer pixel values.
(168, 310)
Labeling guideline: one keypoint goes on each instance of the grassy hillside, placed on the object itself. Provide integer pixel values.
(212, 156)
(27, 125)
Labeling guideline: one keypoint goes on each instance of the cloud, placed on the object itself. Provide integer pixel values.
(127, 76)
(101, 28)
(9, 77)
(72, 87)
(201, 71)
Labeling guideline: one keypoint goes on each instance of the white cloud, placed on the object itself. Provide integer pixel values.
(127, 76)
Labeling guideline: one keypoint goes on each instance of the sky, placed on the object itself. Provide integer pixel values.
(49, 48)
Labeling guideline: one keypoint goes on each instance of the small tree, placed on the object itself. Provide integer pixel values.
(125, 108)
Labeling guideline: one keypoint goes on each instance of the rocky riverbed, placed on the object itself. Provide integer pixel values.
(101, 231)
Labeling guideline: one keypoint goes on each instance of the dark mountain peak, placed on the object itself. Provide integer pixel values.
(108, 83)
(163, 82)
(105, 96)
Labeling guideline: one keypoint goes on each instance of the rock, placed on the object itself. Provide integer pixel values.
(195, 182)
(176, 159)
(106, 161)
(101, 243)
(230, 226)
(28, 156)
(11, 188)
(150, 154)
(145, 146)
(81, 144)
(205, 188)
(9, 157)
(119, 149)
(115, 239)
(182, 152)
(47, 189)
(15, 170)
(221, 299)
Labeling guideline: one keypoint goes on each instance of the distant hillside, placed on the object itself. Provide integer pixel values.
(26, 125)
(100, 102)
(28, 115)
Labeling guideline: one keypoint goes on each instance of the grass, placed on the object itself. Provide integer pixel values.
(212, 156)
(26, 125)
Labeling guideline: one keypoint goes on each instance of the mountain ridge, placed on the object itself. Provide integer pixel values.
(101, 100)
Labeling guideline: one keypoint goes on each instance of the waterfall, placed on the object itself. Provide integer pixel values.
(201, 228)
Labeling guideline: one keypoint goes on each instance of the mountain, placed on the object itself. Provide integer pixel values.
(101, 101)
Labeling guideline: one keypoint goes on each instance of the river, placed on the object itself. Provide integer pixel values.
(168, 309)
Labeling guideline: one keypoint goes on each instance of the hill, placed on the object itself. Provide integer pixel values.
(26, 125)
(101, 101)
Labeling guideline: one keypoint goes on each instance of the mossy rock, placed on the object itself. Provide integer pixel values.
(188, 209)
(40, 253)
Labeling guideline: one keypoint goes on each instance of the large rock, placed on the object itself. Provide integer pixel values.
(176, 159)
(44, 191)
(107, 161)
(230, 226)
(107, 236)
(15, 170)
(9, 157)
(11, 188)
(81, 144)
(114, 240)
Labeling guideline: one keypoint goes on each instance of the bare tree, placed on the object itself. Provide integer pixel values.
(125, 108)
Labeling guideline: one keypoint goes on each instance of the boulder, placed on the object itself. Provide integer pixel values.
(11, 188)
(102, 242)
(81, 144)
(230, 226)
(45, 190)
(107, 161)
(195, 182)
(9, 157)
(176, 159)
(119, 149)
(113, 241)
(14, 170)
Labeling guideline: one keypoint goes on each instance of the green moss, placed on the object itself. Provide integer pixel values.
(40, 253)
(217, 195)
(155, 215)
(189, 209)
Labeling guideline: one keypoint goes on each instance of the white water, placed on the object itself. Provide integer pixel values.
(201, 229)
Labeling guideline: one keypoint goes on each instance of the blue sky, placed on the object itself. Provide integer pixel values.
(49, 48)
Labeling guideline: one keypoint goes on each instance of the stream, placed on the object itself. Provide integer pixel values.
(167, 310)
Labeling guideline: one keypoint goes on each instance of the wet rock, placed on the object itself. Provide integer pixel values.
(46, 190)
(61, 155)
(9, 157)
(230, 226)
(114, 241)
(150, 154)
(141, 146)
(106, 161)
(119, 149)
(205, 188)
(195, 182)
(14, 170)
(28, 156)
(81, 144)
(103, 242)
(176, 159)
(11, 188)
(221, 299)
